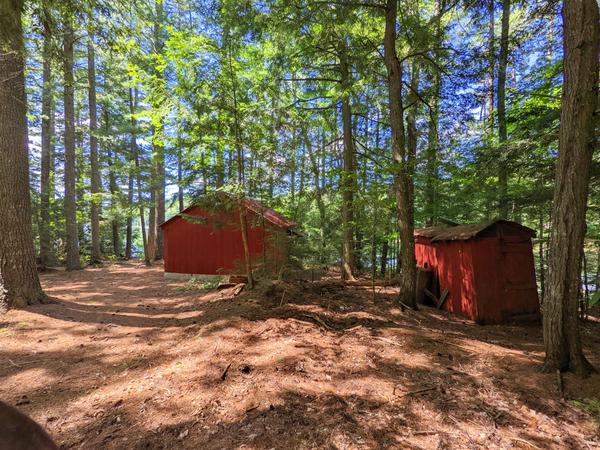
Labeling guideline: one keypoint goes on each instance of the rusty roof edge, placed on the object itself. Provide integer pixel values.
(465, 231)
(252, 205)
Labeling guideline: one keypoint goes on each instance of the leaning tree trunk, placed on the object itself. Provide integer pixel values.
(19, 283)
(70, 203)
(402, 168)
(96, 256)
(502, 133)
(562, 340)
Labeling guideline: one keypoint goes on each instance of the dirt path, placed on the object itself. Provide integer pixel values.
(129, 360)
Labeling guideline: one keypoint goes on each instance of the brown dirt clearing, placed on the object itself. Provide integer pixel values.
(127, 359)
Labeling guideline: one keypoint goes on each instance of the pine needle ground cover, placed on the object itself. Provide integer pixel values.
(127, 359)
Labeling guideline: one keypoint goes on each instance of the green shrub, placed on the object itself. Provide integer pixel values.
(589, 405)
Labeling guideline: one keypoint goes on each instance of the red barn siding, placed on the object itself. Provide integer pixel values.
(490, 279)
(214, 247)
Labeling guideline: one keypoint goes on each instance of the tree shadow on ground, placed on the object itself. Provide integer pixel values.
(149, 366)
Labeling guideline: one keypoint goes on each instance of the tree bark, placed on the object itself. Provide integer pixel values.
(491, 68)
(114, 189)
(318, 195)
(431, 169)
(47, 256)
(240, 176)
(129, 223)
(412, 132)
(348, 172)
(136, 160)
(384, 257)
(70, 204)
(502, 133)
(402, 166)
(158, 144)
(581, 24)
(19, 282)
(180, 172)
(157, 176)
(96, 256)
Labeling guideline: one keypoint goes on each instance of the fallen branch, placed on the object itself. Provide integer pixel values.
(282, 297)
(430, 294)
(419, 391)
(238, 288)
(319, 321)
(525, 442)
(224, 374)
(442, 299)
(407, 307)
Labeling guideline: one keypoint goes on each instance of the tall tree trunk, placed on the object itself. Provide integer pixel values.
(129, 224)
(562, 340)
(220, 163)
(47, 256)
(160, 145)
(491, 68)
(70, 204)
(152, 224)
(597, 277)
(114, 188)
(138, 176)
(384, 256)
(240, 175)
(180, 172)
(96, 256)
(502, 133)
(412, 132)
(318, 194)
(157, 195)
(19, 283)
(402, 170)
(431, 169)
(541, 253)
(348, 172)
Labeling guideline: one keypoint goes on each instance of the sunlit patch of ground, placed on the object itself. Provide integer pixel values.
(125, 359)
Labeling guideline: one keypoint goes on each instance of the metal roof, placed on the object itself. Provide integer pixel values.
(253, 205)
(469, 231)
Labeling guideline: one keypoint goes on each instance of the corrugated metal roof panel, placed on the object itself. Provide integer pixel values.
(253, 205)
(468, 231)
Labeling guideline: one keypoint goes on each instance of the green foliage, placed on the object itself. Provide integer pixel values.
(590, 406)
(281, 59)
(200, 284)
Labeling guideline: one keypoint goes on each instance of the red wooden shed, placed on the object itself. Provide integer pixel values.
(205, 238)
(488, 269)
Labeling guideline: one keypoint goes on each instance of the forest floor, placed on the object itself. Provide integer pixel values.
(128, 360)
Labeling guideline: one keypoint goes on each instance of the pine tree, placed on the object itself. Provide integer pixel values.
(19, 283)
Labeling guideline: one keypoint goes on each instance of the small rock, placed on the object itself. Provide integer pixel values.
(183, 434)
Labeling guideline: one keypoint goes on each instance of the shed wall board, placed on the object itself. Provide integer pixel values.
(214, 247)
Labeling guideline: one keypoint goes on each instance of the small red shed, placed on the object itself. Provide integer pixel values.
(488, 269)
(205, 238)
